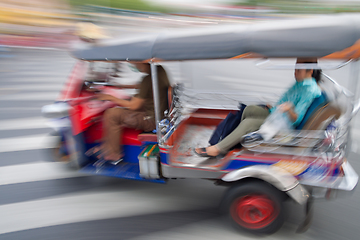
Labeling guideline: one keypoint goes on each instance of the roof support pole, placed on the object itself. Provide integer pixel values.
(354, 86)
(156, 97)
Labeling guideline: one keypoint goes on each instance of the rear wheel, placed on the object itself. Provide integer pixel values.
(255, 207)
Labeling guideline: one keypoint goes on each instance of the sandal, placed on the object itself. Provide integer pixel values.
(202, 153)
(115, 162)
(99, 154)
(119, 159)
(101, 161)
(94, 151)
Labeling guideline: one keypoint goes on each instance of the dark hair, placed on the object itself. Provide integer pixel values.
(316, 72)
(317, 75)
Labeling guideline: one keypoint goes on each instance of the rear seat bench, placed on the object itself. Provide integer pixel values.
(318, 116)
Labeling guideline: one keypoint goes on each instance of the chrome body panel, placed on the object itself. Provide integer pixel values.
(345, 183)
(281, 179)
(277, 177)
(299, 194)
(179, 172)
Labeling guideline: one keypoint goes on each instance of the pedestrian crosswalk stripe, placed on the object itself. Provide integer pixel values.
(30, 142)
(23, 123)
(37, 171)
(30, 96)
(87, 206)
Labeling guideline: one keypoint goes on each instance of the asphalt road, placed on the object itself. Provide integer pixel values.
(45, 200)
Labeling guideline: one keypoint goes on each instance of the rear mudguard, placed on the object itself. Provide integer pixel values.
(279, 178)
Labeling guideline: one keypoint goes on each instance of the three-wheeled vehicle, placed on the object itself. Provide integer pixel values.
(306, 163)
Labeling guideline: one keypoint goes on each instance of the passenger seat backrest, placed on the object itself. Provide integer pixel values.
(317, 120)
(317, 103)
(319, 111)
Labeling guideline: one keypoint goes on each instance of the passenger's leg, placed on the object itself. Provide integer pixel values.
(254, 111)
(251, 120)
(248, 125)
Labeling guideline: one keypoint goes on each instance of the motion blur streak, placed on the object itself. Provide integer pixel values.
(46, 200)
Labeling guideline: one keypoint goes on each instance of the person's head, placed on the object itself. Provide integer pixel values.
(143, 67)
(301, 74)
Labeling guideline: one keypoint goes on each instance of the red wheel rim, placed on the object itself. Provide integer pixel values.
(254, 211)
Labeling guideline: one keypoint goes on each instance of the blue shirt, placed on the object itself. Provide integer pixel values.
(301, 95)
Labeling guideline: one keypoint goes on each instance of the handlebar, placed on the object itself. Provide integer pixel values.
(75, 101)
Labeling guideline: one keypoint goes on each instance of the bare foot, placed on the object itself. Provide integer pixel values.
(211, 151)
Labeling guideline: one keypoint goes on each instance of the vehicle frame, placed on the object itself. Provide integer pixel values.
(259, 177)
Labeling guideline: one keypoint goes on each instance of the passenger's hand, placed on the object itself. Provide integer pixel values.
(105, 97)
(285, 107)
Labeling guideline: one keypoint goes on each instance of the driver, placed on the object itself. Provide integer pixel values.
(137, 113)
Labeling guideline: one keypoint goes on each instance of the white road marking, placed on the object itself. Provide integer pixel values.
(30, 142)
(217, 229)
(23, 123)
(30, 96)
(37, 87)
(37, 171)
(90, 206)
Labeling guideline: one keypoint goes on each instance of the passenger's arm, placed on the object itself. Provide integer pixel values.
(129, 86)
(134, 103)
(289, 108)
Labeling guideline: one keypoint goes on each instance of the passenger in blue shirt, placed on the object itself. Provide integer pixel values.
(294, 103)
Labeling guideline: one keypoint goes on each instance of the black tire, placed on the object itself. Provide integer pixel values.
(255, 207)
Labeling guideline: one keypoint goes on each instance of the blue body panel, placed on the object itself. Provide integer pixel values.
(131, 153)
(237, 164)
(164, 158)
(122, 170)
(128, 168)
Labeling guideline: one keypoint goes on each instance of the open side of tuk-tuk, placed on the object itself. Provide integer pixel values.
(306, 163)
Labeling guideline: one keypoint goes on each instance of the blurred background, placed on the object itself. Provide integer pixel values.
(54, 23)
(45, 200)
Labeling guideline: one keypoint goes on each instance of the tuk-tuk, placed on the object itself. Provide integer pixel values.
(301, 165)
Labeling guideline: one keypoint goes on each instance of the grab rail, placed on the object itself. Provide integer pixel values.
(271, 66)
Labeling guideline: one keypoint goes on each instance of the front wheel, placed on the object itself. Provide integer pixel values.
(62, 148)
(255, 207)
